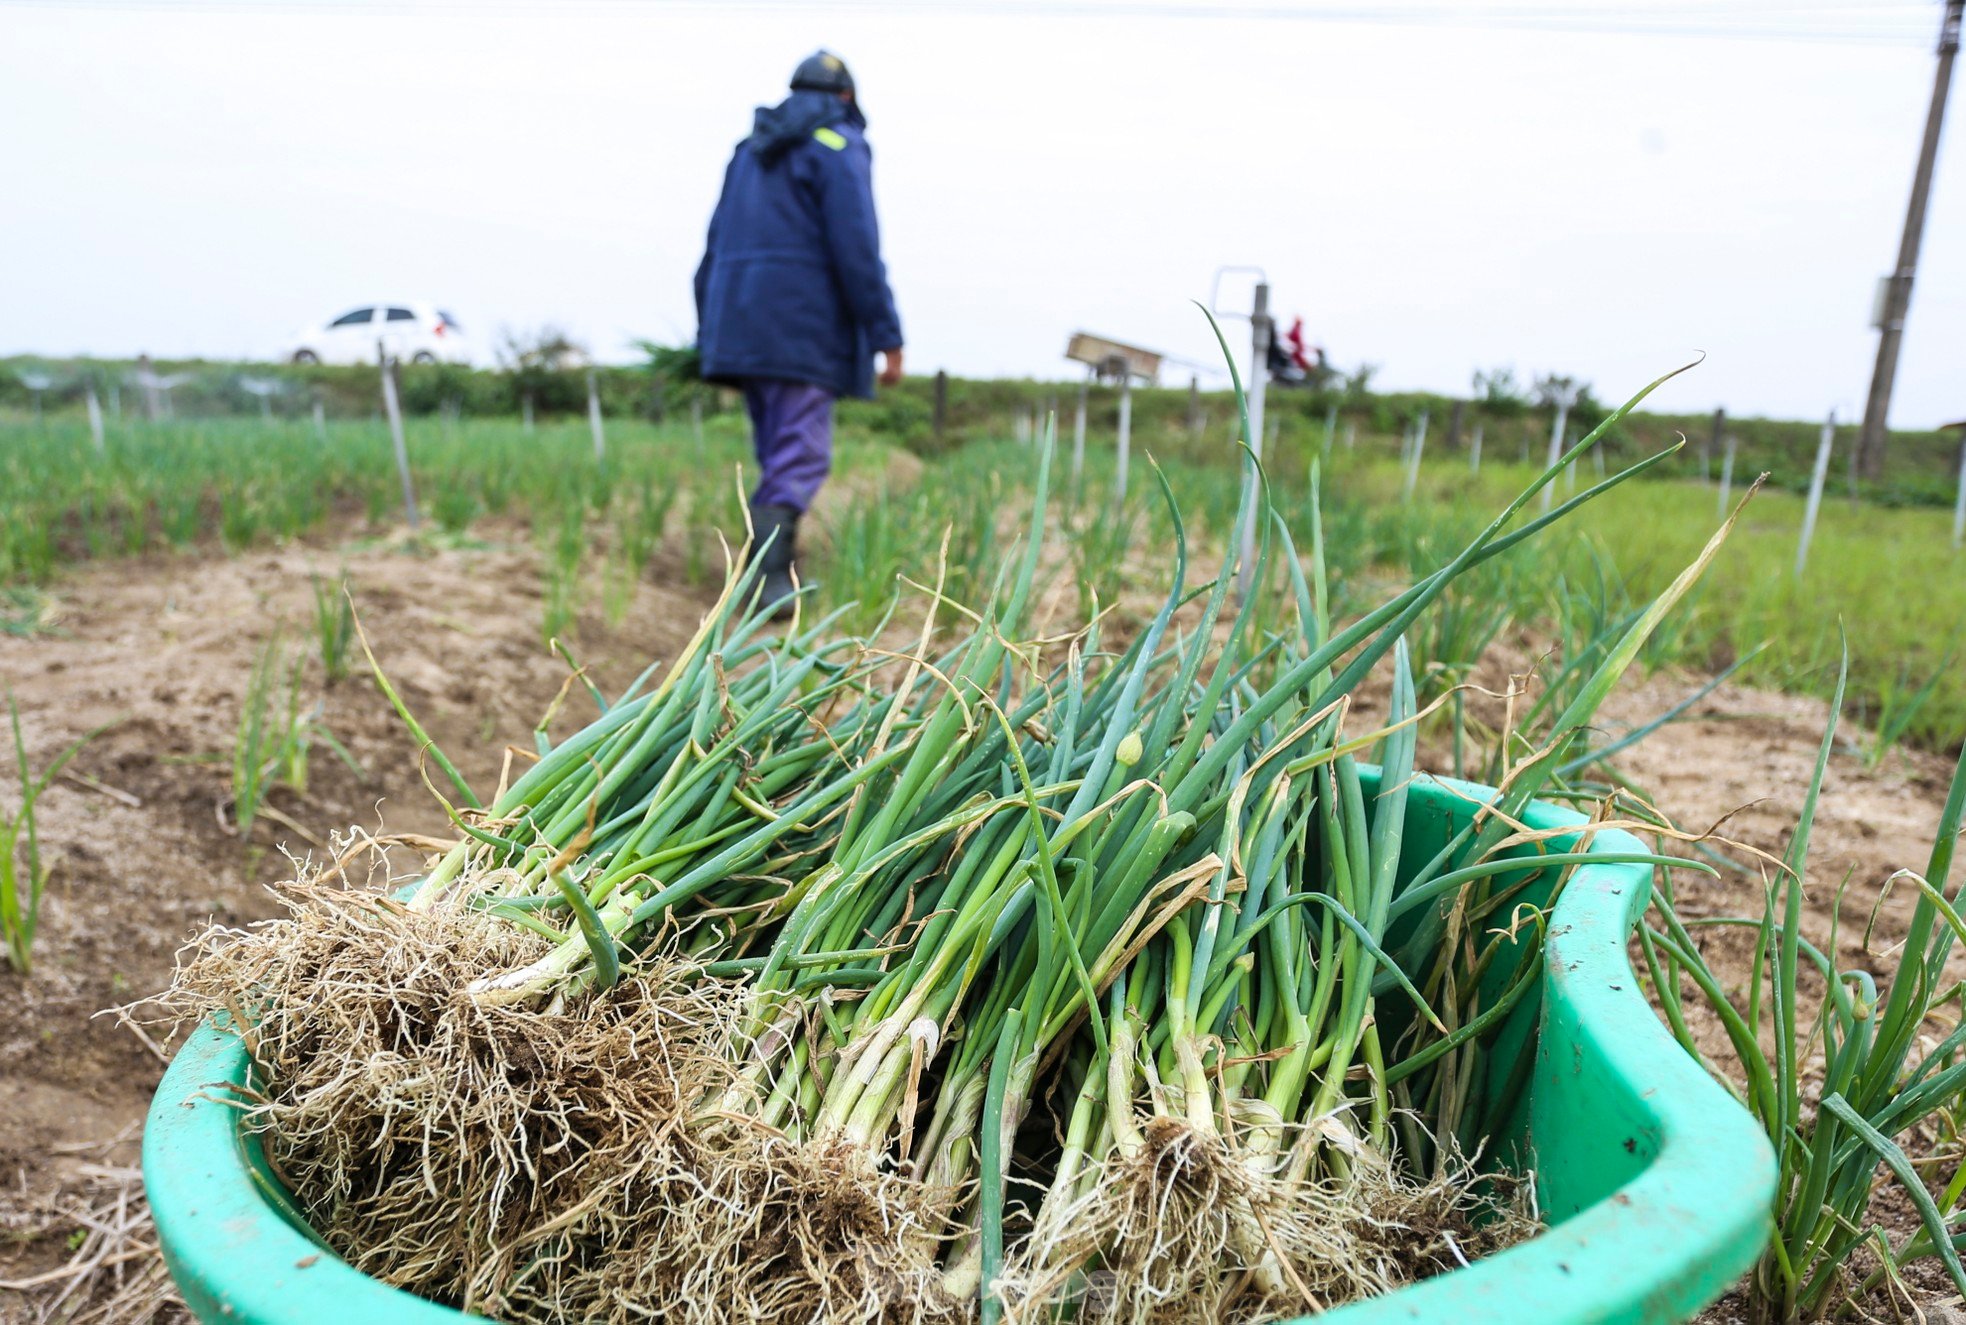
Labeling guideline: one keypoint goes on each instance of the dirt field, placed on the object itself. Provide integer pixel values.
(161, 652)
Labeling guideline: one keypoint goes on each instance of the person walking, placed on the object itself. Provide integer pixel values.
(792, 298)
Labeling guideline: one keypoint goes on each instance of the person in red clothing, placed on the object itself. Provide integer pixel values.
(1295, 339)
(1294, 361)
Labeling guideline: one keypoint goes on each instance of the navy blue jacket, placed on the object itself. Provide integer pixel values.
(792, 285)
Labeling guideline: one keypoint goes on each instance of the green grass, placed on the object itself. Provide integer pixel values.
(1886, 575)
(242, 483)
(23, 876)
(276, 733)
(1889, 577)
(257, 738)
(25, 611)
(1920, 466)
(334, 625)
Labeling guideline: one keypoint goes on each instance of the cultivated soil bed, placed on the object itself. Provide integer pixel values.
(162, 651)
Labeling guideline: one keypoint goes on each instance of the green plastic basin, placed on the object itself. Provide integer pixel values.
(1656, 1183)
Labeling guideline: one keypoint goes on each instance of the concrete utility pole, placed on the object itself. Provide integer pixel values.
(394, 409)
(594, 418)
(1726, 477)
(1259, 377)
(1259, 366)
(1815, 502)
(1959, 501)
(1261, 329)
(1078, 431)
(1713, 443)
(1895, 302)
(1959, 496)
(1564, 396)
(147, 379)
(1419, 445)
(1126, 434)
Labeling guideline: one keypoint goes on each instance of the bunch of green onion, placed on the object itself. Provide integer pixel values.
(1025, 922)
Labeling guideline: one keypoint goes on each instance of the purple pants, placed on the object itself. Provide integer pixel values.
(792, 430)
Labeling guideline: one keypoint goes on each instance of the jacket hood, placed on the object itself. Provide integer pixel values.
(775, 130)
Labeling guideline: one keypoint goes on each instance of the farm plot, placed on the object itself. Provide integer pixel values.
(482, 691)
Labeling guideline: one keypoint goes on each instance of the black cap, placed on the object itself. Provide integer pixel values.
(822, 71)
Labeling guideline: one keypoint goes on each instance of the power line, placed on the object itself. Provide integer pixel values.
(1818, 22)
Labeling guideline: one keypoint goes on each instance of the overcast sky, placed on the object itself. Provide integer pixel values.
(1442, 188)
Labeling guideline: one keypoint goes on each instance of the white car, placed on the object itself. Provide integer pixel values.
(413, 333)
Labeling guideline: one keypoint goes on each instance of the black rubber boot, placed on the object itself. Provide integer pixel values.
(774, 545)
